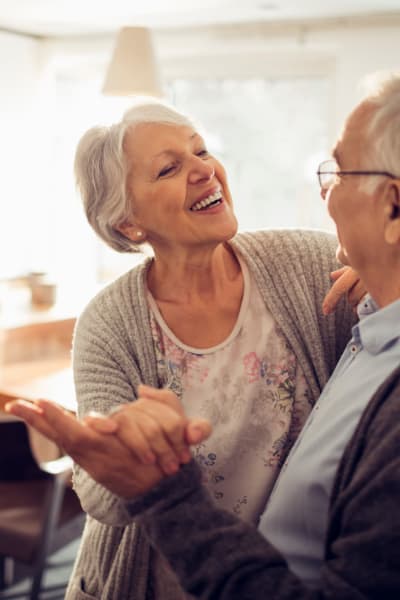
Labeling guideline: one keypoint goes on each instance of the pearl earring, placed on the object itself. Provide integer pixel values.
(139, 233)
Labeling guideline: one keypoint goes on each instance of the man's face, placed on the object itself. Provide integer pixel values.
(357, 215)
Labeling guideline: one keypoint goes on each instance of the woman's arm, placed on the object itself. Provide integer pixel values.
(104, 376)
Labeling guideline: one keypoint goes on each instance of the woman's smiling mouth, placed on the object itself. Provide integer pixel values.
(211, 200)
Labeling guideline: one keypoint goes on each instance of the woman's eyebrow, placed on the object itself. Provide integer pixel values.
(170, 152)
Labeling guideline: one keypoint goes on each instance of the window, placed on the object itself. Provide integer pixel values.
(269, 134)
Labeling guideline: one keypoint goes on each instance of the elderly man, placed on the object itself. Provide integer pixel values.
(331, 528)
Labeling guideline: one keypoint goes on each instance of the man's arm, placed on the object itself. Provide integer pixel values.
(219, 557)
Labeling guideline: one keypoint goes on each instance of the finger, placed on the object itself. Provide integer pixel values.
(65, 428)
(197, 430)
(356, 294)
(153, 434)
(334, 275)
(173, 427)
(100, 423)
(341, 286)
(33, 415)
(164, 396)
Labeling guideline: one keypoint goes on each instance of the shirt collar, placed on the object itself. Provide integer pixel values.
(377, 327)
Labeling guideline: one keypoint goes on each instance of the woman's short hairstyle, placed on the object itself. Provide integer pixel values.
(383, 131)
(101, 170)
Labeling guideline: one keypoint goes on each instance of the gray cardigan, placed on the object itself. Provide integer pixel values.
(113, 352)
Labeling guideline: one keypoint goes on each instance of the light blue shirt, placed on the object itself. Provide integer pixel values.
(296, 517)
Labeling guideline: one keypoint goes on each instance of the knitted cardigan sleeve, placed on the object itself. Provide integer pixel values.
(112, 354)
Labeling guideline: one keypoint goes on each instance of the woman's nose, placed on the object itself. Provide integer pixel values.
(201, 171)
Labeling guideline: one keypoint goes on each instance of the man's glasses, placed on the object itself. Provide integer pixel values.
(328, 173)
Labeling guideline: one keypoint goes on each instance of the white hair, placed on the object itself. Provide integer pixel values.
(383, 131)
(101, 169)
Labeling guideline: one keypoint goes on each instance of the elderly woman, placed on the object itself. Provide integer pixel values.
(230, 322)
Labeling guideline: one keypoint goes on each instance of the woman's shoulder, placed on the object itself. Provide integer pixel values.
(283, 235)
(118, 298)
(276, 243)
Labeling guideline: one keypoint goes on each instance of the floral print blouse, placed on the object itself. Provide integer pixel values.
(252, 390)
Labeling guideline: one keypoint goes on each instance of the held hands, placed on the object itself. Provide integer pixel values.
(154, 428)
(346, 281)
(128, 452)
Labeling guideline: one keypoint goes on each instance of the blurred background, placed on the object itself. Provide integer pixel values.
(270, 81)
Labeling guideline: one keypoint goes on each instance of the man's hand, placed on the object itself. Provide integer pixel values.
(346, 281)
(154, 428)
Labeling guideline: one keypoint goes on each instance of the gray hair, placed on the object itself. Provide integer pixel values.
(383, 130)
(101, 170)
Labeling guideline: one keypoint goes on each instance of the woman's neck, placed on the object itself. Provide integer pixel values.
(205, 275)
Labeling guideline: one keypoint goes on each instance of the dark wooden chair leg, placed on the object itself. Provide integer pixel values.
(6, 571)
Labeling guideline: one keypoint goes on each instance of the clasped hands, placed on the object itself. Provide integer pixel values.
(128, 451)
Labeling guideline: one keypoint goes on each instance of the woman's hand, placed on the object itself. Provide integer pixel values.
(154, 428)
(347, 281)
(107, 460)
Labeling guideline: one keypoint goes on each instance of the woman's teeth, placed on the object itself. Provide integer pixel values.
(213, 199)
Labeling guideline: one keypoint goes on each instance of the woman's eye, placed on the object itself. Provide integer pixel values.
(166, 171)
(202, 152)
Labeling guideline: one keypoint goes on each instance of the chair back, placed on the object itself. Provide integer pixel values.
(39, 511)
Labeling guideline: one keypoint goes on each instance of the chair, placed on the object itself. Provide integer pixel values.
(39, 511)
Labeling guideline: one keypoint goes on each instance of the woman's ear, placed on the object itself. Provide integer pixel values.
(392, 214)
(132, 232)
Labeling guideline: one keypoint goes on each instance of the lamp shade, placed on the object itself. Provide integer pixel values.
(133, 68)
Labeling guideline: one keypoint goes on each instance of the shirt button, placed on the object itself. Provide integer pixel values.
(353, 348)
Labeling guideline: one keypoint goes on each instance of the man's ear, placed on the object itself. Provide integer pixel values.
(392, 213)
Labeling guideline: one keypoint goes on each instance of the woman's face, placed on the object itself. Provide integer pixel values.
(179, 191)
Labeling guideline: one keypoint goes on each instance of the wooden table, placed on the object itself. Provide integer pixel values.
(50, 379)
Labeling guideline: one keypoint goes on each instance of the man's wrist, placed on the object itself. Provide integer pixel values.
(170, 490)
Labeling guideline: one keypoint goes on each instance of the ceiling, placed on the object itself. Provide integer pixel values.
(87, 17)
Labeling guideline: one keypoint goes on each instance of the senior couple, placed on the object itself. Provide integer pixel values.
(229, 328)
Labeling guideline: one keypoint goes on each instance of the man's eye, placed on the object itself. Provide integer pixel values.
(202, 152)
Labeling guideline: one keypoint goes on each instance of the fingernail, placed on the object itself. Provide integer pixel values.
(185, 456)
(150, 458)
(196, 433)
(171, 467)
